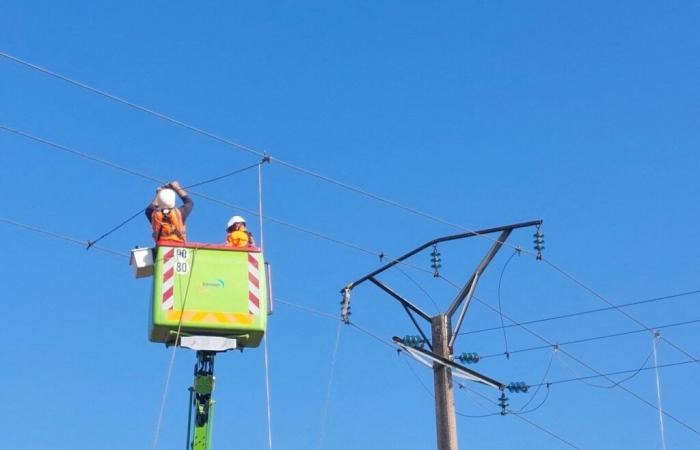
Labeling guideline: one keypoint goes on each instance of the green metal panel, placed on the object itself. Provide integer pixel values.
(212, 291)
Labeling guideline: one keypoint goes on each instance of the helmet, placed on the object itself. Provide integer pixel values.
(166, 198)
(234, 219)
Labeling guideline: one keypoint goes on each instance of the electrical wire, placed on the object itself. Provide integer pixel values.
(500, 280)
(228, 142)
(613, 305)
(419, 286)
(529, 421)
(624, 372)
(581, 362)
(307, 309)
(430, 393)
(581, 313)
(293, 226)
(535, 408)
(373, 335)
(327, 401)
(308, 172)
(315, 175)
(268, 401)
(612, 384)
(537, 389)
(201, 183)
(658, 392)
(226, 175)
(591, 339)
(61, 236)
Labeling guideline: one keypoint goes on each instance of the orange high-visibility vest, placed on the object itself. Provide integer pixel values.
(238, 238)
(168, 227)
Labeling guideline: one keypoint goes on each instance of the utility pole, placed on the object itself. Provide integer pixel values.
(445, 420)
(443, 333)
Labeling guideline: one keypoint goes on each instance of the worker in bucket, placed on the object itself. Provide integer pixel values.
(238, 234)
(168, 221)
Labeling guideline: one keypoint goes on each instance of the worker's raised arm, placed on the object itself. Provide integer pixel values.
(187, 203)
(175, 186)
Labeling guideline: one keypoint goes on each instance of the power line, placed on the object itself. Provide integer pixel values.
(228, 142)
(537, 390)
(619, 372)
(500, 280)
(317, 175)
(592, 369)
(590, 339)
(419, 286)
(80, 154)
(61, 236)
(254, 151)
(590, 311)
(614, 306)
(307, 309)
(209, 198)
(313, 174)
(612, 384)
(529, 421)
(579, 361)
(201, 183)
(327, 401)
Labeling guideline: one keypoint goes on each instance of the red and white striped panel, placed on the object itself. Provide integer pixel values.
(253, 285)
(167, 301)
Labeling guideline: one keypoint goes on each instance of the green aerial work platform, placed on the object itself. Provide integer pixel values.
(210, 298)
(207, 290)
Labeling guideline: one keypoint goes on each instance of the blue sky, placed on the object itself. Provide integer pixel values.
(583, 114)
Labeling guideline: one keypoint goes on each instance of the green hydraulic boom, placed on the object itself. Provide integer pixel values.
(201, 403)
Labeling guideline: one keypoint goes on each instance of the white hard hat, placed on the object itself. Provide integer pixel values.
(166, 198)
(234, 219)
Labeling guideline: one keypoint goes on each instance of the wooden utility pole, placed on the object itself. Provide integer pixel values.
(443, 333)
(446, 422)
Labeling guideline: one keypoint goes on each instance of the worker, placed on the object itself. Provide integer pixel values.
(167, 221)
(238, 235)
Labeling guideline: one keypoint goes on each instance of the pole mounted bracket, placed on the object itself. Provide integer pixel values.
(428, 357)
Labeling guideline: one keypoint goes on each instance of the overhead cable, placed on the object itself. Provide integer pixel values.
(537, 389)
(327, 401)
(307, 309)
(658, 392)
(306, 172)
(614, 306)
(214, 200)
(620, 372)
(242, 147)
(529, 421)
(613, 384)
(590, 339)
(578, 360)
(80, 242)
(500, 280)
(223, 140)
(590, 311)
(140, 211)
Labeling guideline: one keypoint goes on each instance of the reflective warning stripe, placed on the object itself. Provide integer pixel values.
(210, 316)
(253, 285)
(167, 300)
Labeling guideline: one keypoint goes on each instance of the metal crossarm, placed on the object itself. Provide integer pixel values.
(440, 355)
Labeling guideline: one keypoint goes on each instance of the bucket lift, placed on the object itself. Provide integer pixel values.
(209, 298)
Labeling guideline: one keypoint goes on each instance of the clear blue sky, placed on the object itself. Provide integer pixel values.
(583, 114)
